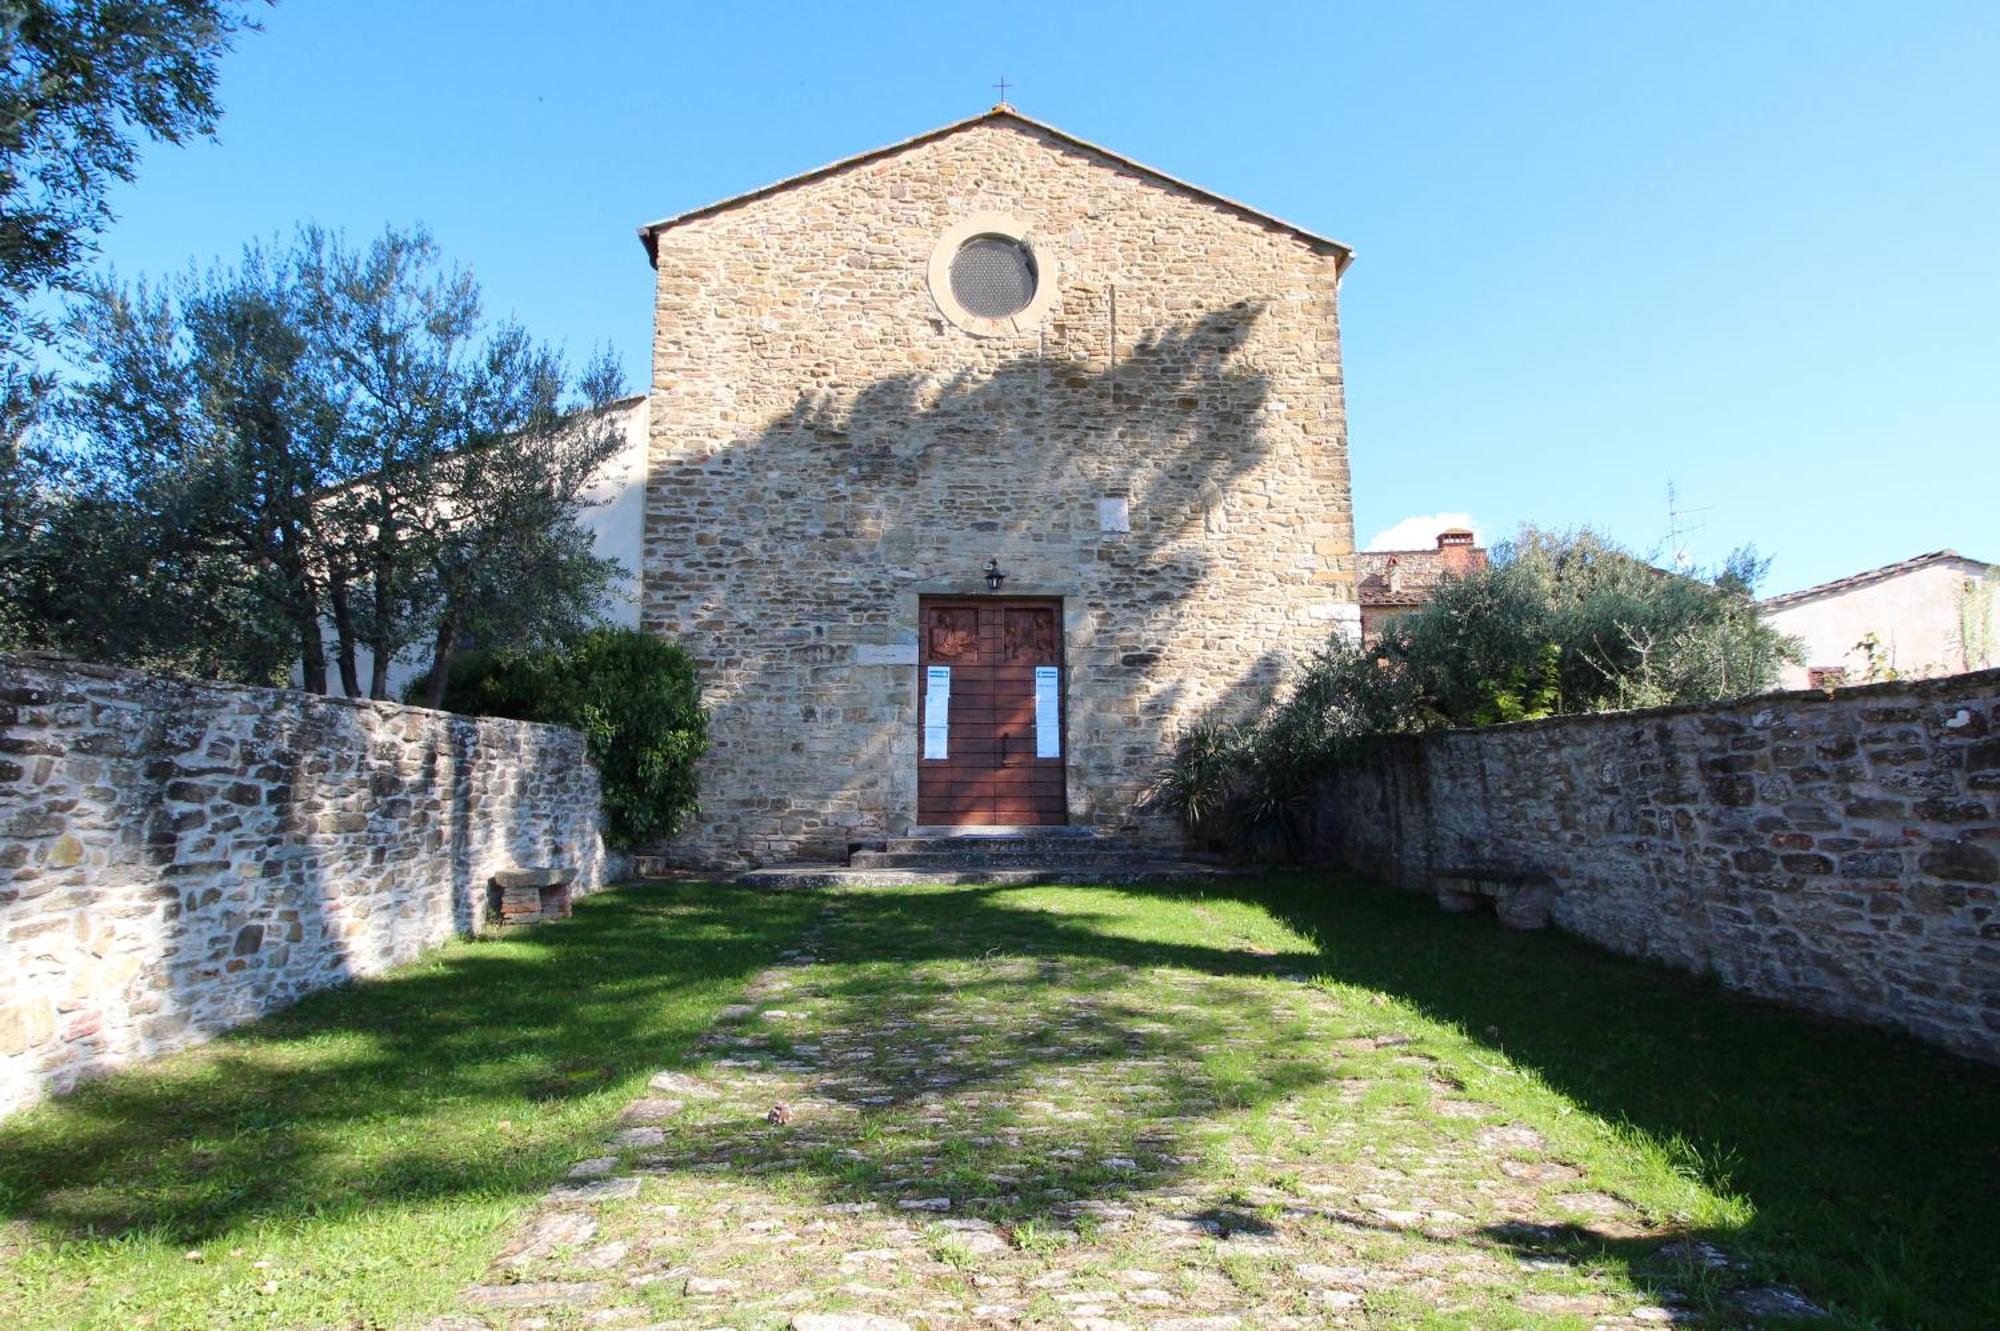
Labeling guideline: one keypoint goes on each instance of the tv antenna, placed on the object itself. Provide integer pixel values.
(1679, 529)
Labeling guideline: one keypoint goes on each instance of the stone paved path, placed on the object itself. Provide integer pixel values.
(1050, 1138)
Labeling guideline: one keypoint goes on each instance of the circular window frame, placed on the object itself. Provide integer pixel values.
(1007, 227)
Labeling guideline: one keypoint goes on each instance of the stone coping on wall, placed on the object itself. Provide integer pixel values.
(1929, 684)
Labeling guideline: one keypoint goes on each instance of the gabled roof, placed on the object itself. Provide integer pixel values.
(1894, 570)
(1001, 114)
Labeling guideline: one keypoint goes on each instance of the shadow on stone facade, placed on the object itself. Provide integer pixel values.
(776, 558)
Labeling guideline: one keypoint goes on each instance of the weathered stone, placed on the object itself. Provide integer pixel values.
(846, 1322)
(535, 878)
(1772, 1301)
(1960, 861)
(247, 822)
(589, 1192)
(535, 1294)
(680, 1083)
(1526, 906)
(829, 440)
(548, 1232)
(1793, 871)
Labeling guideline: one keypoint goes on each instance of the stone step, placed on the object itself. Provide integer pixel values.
(978, 857)
(962, 832)
(1041, 840)
(801, 877)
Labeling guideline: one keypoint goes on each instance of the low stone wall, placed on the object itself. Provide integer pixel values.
(1838, 851)
(178, 857)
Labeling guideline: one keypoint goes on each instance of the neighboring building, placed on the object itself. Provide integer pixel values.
(1392, 583)
(990, 347)
(1931, 615)
(615, 517)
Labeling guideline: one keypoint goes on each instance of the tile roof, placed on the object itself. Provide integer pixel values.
(1896, 569)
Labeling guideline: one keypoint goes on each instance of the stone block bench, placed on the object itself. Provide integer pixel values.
(529, 896)
(1519, 900)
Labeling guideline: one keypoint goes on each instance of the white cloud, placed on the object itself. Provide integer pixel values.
(1421, 532)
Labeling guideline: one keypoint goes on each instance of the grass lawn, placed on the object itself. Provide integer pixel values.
(1305, 1101)
(1859, 1166)
(354, 1161)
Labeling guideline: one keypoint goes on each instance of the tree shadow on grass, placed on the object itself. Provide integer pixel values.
(1869, 1160)
(1872, 1161)
(482, 1070)
(489, 1068)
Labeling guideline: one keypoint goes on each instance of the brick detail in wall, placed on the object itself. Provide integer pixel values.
(177, 858)
(1839, 852)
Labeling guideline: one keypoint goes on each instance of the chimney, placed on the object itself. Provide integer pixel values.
(1457, 554)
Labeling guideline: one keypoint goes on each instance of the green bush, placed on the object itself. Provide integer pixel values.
(1560, 623)
(632, 695)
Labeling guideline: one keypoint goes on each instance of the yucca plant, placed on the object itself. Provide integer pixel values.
(1199, 783)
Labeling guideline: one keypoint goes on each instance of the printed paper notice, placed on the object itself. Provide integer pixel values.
(1048, 712)
(937, 711)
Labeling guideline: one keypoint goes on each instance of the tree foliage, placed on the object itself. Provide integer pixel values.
(319, 435)
(635, 698)
(1559, 623)
(81, 82)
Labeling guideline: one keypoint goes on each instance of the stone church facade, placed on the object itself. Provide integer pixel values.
(980, 466)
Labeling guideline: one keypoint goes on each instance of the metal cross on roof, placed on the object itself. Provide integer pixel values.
(1003, 85)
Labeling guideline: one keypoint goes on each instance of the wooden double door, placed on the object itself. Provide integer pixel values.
(991, 739)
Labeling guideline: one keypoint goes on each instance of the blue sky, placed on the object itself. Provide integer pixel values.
(1751, 248)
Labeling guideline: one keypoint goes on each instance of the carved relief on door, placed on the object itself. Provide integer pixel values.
(1030, 637)
(954, 634)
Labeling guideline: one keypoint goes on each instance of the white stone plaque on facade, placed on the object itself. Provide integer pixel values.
(1048, 712)
(937, 711)
(1114, 515)
(890, 654)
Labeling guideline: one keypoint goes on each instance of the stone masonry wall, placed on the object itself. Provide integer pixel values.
(1837, 851)
(827, 446)
(177, 858)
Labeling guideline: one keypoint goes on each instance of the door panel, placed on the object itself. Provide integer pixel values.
(990, 774)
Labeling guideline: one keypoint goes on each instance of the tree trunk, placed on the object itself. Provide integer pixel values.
(380, 646)
(312, 650)
(343, 636)
(441, 653)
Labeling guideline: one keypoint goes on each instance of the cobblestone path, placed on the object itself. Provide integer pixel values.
(1028, 1109)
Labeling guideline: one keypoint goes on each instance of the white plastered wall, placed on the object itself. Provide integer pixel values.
(615, 517)
(1938, 619)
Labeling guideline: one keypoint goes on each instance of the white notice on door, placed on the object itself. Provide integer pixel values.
(1048, 712)
(937, 711)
